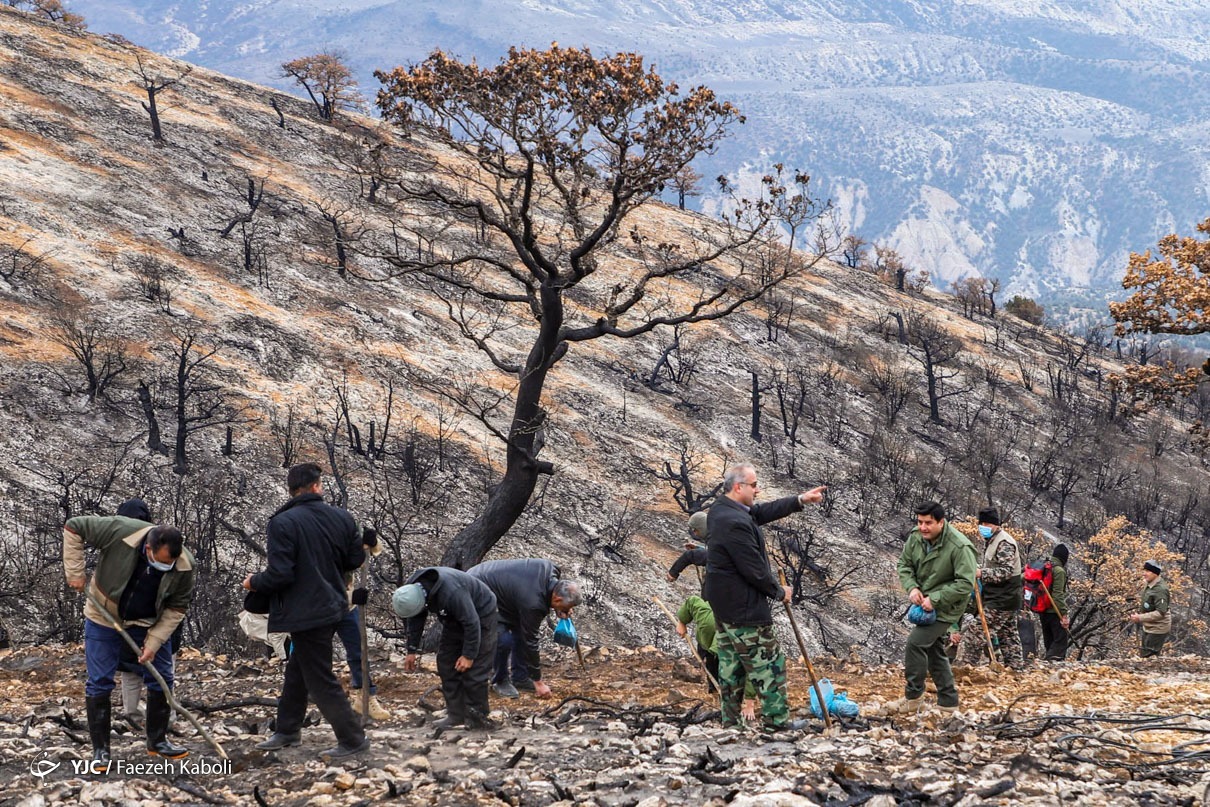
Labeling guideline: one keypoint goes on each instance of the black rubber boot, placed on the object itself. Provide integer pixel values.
(158, 715)
(99, 712)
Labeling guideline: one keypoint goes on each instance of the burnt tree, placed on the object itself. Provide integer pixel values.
(558, 148)
(154, 84)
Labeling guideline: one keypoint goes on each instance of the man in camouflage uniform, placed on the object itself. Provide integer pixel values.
(739, 585)
(1155, 615)
(1001, 576)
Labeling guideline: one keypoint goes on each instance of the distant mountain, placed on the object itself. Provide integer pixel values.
(1034, 142)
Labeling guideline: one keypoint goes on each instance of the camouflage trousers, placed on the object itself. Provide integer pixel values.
(1006, 638)
(752, 655)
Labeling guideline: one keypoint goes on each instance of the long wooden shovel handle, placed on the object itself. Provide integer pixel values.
(365, 650)
(1053, 604)
(689, 642)
(172, 701)
(802, 646)
(991, 650)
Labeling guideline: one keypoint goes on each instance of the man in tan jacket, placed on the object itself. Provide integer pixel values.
(1155, 614)
(144, 581)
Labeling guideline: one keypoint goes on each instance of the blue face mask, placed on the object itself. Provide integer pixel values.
(986, 531)
(155, 564)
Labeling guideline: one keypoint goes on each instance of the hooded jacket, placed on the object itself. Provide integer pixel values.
(460, 601)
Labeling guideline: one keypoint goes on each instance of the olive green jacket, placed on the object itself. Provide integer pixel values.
(945, 573)
(117, 539)
(1156, 615)
(1058, 587)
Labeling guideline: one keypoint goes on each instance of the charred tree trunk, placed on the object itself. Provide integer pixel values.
(755, 406)
(507, 501)
(156, 133)
(154, 441)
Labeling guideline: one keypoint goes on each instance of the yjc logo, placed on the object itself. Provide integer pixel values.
(95, 767)
(43, 766)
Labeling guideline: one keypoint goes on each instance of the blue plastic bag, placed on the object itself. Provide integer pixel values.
(565, 633)
(838, 702)
(918, 616)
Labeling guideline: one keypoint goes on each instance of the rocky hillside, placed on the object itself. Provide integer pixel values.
(634, 729)
(198, 277)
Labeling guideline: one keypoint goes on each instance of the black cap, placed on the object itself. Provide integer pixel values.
(989, 515)
(1152, 567)
(1060, 551)
(135, 508)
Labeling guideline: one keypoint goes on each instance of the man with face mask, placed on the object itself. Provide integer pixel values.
(1000, 574)
(144, 580)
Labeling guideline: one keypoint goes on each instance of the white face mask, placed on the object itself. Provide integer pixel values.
(155, 564)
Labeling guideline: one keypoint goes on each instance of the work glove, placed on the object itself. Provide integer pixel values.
(369, 537)
(361, 596)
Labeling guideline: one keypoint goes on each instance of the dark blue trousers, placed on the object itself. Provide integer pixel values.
(102, 649)
(509, 648)
(349, 631)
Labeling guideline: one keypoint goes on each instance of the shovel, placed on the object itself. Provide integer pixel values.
(1055, 607)
(365, 652)
(802, 646)
(116, 624)
(991, 650)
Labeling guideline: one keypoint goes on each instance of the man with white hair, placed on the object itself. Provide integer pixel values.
(527, 590)
(739, 586)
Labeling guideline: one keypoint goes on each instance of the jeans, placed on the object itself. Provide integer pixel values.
(510, 649)
(349, 631)
(103, 647)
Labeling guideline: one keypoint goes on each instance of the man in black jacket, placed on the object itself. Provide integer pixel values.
(739, 586)
(695, 551)
(467, 610)
(311, 546)
(527, 590)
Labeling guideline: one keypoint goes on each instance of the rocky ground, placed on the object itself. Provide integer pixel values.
(630, 729)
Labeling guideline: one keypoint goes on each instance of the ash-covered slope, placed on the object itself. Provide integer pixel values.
(155, 247)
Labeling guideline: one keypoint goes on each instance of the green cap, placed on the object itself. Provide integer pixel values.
(408, 600)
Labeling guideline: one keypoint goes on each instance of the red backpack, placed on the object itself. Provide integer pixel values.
(1039, 578)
